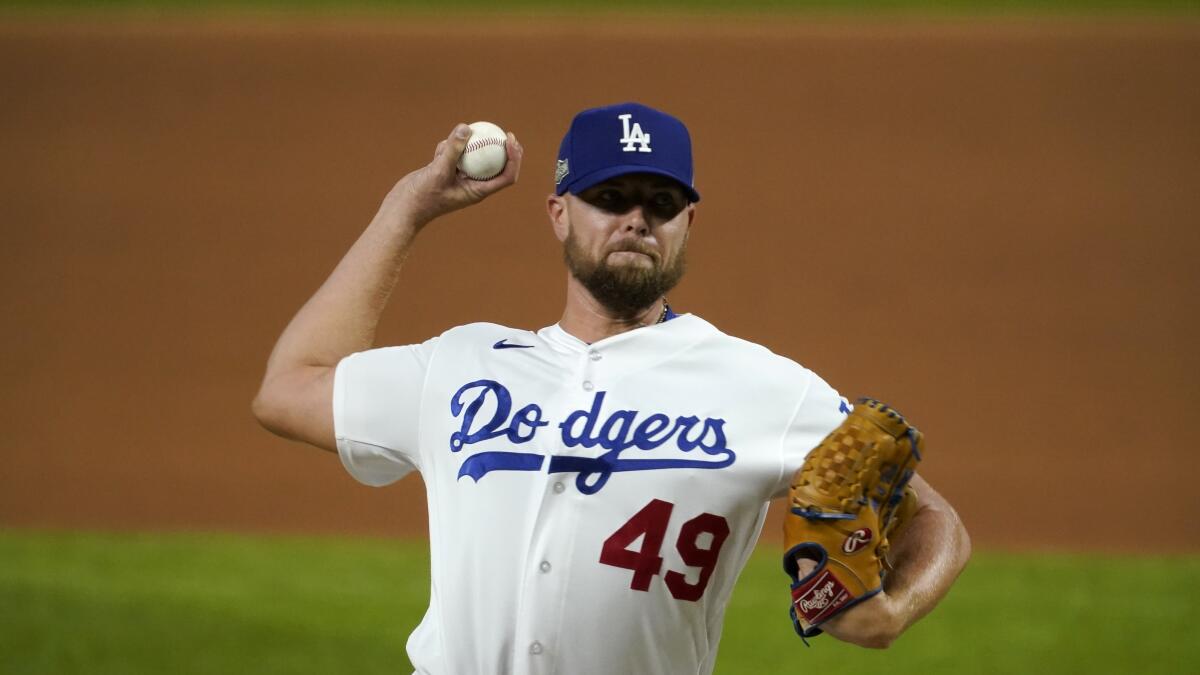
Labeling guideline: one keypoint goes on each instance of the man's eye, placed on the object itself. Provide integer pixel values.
(666, 204)
(609, 198)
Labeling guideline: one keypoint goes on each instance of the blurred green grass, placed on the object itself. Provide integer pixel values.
(144, 603)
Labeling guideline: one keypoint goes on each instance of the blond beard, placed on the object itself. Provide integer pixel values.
(626, 290)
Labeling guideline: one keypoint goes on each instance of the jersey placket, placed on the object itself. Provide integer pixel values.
(549, 564)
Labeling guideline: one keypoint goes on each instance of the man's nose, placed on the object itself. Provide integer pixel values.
(635, 221)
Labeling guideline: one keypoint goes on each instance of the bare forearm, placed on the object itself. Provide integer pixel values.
(928, 558)
(338, 320)
(342, 316)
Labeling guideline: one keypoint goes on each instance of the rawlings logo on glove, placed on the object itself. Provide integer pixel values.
(856, 541)
(851, 486)
(819, 599)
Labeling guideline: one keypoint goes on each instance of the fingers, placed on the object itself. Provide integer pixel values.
(445, 158)
(512, 168)
(516, 152)
(805, 567)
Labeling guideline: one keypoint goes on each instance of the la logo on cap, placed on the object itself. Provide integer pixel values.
(633, 135)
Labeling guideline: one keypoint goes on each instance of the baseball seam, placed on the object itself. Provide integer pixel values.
(479, 145)
(483, 143)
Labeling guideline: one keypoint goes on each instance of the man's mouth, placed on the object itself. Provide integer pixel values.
(640, 251)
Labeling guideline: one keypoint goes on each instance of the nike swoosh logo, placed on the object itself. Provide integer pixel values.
(503, 344)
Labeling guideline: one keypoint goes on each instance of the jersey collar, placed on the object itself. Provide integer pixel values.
(637, 349)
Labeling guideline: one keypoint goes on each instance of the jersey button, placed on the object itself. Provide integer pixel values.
(535, 648)
(594, 355)
(559, 487)
(588, 386)
(545, 566)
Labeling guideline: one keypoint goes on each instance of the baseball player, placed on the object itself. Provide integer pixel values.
(594, 487)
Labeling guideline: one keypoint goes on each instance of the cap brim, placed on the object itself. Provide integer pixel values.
(584, 182)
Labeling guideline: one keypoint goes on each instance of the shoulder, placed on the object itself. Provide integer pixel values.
(466, 337)
(471, 344)
(761, 372)
(481, 330)
(741, 354)
(758, 374)
(475, 336)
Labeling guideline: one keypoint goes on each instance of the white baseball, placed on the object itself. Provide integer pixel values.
(485, 155)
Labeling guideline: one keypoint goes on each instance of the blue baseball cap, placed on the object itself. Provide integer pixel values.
(606, 142)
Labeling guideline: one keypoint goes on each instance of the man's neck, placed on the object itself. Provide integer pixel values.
(590, 321)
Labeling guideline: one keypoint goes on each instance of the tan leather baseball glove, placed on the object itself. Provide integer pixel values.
(847, 499)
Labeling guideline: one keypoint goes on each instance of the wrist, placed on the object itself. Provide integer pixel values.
(403, 212)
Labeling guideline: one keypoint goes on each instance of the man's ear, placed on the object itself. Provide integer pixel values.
(556, 208)
(691, 209)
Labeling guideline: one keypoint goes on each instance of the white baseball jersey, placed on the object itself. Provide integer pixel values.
(590, 506)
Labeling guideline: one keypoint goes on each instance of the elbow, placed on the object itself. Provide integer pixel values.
(963, 541)
(954, 534)
(881, 644)
(267, 411)
(876, 635)
(297, 406)
(874, 624)
(879, 641)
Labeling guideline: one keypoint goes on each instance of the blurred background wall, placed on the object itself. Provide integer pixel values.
(991, 224)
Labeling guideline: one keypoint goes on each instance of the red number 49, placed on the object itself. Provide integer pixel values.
(651, 523)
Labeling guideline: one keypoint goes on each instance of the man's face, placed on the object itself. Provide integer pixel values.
(626, 239)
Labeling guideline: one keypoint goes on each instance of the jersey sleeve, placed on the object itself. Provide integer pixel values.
(377, 411)
(820, 411)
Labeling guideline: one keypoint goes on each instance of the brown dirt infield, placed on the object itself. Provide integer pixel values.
(991, 225)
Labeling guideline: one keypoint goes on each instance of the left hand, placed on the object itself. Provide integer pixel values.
(845, 499)
(926, 558)
(874, 623)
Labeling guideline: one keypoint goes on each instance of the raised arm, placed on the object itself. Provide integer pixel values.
(295, 399)
(927, 558)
